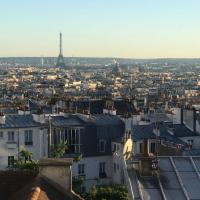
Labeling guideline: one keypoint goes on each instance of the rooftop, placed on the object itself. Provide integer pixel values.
(19, 121)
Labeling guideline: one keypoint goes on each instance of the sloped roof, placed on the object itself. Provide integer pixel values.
(105, 119)
(147, 132)
(19, 121)
(178, 179)
(97, 106)
(71, 120)
(47, 192)
(181, 130)
(80, 120)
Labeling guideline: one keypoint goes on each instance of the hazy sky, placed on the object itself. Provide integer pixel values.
(102, 28)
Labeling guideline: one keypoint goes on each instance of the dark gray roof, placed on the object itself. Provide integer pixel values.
(19, 121)
(181, 130)
(97, 106)
(79, 120)
(146, 132)
(95, 127)
(105, 119)
(71, 120)
(143, 132)
(158, 117)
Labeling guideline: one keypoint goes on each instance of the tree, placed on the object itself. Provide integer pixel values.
(107, 192)
(77, 182)
(25, 155)
(59, 149)
(25, 162)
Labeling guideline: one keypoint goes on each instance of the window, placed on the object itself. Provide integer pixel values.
(73, 137)
(141, 146)
(28, 137)
(10, 161)
(81, 169)
(102, 145)
(102, 170)
(11, 136)
(153, 147)
(1, 135)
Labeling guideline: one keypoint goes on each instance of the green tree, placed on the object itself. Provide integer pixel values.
(108, 192)
(59, 149)
(25, 155)
(77, 183)
(25, 162)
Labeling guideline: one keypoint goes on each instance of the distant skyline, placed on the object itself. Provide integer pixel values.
(104, 28)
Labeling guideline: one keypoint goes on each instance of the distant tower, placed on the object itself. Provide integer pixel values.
(60, 59)
(42, 61)
(116, 69)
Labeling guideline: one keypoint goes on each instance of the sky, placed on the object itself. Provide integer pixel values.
(101, 28)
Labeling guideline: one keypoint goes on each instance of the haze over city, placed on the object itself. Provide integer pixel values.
(99, 100)
(129, 29)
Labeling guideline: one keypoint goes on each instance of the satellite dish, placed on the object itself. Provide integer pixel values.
(128, 148)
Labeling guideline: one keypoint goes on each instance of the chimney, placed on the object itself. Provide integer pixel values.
(112, 111)
(24, 110)
(39, 117)
(58, 173)
(2, 118)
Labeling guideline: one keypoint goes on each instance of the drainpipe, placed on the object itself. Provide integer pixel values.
(18, 143)
(49, 137)
(128, 181)
(194, 120)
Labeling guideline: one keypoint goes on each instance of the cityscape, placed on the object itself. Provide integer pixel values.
(97, 125)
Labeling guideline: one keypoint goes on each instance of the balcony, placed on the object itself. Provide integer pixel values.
(11, 145)
(102, 175)
(28, 143)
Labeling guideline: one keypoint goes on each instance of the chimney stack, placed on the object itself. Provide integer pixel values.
(2, 118)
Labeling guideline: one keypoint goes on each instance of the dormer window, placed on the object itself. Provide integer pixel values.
(102, 145)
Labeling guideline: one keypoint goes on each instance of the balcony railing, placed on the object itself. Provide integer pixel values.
(102, 175)
(28, 143)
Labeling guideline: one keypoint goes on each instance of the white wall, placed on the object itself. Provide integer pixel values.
(92, 170)
(39, 147)
(116, 159)
(176, 116)
(136, 146)
(188, 118)
(134, 120)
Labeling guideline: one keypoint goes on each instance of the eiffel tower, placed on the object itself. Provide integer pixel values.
(60, 59)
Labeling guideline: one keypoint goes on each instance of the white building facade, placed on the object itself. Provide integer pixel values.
(21, 132)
